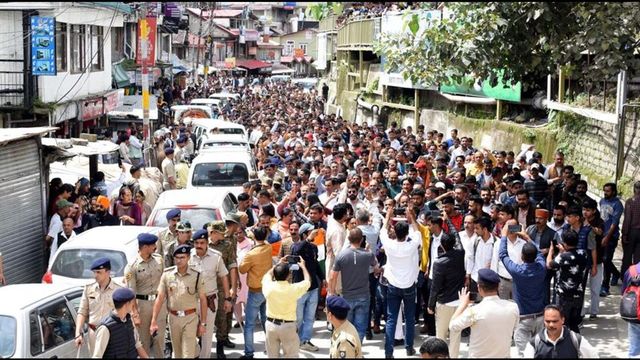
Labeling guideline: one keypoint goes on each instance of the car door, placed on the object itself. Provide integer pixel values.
(52, 330)
(73, 301)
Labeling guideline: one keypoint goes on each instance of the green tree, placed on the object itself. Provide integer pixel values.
(319, 11)
(528, 40)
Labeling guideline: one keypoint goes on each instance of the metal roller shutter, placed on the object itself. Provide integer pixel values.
(21, 211)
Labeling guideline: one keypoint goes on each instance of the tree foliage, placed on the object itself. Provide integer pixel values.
(528, 40)
(319, 11)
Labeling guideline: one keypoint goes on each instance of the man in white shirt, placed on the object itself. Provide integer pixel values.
(468, 239)
(514, 249)
(401, 272)
(335, 238)
(55, 225)
(492, 321)
(63, 236)
(482, 253)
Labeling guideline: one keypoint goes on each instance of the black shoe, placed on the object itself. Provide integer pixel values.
(228, 344)
(411, 351)
(398, 342)
(220, 350)
(246, 357)
(369, 335)
(614, 280)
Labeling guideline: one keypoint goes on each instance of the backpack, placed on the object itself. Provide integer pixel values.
(576, 340)
(629, 304)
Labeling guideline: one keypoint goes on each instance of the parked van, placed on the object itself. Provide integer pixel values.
(39, 321)
(224, 170)
(214, 104)
(202, 128)
(198, 206)
(72, 262)
(225, 97)
(215, 142)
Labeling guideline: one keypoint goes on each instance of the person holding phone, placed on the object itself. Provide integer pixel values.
(514, 249)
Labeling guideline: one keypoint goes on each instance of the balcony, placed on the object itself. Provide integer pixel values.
(11, 84)
(358, 34)
(328, 24)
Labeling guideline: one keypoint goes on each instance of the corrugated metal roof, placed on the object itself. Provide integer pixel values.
(14, 134)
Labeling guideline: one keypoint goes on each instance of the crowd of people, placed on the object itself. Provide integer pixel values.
(389, 230)
(367, 10)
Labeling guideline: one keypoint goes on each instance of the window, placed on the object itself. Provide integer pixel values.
(35, 334)
(220, 174)
(75, 263)
(57, 324)
(303, 47)
(288, 47)
(97, 46)
(61, 47)
(78, 42)
(8, 336)
(198, 217)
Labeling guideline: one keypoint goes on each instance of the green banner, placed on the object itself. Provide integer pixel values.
(501, 91)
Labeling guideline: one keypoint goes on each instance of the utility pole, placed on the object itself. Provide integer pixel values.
(199, 41)
(208, 60)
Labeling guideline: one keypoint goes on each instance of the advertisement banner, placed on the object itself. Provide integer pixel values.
(145, 51)
(91, 109)
(43, 45)
(502, 91)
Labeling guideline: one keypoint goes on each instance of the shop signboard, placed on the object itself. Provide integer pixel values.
(43, 45)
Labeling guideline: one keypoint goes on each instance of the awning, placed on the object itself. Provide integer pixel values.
(252, 64)
(120, 76)
(178, 65)
(132, 108)
(279, 69)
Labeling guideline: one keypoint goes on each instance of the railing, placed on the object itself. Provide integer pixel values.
(359, 33)
(328, 23)
(11, 84)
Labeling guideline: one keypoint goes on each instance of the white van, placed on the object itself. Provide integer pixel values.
(306, 83)
(214, 104)
(202, 129)
(225, 169)
(197, 206)
(278, 79)
(72, 262)
(182, 113)
(214, 142)
(225, 97)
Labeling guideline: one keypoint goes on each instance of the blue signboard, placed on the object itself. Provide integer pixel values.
(43, 45)
(289, 5)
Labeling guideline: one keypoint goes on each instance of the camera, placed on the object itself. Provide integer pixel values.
(293, 259)
(399, 211)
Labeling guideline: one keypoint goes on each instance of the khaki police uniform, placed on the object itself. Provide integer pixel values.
(345, 342)
(168, 256)
(227, 247)
(143, 277)
(182, 293)
(210, 267)
(166, 238)
(95, 304)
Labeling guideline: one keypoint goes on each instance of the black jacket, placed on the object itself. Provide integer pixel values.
(448, 277)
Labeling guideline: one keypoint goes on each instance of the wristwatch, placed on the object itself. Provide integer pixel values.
(203, 324)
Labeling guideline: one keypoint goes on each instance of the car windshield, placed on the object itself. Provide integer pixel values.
(220, 174)
(76, 263)
(196, 216)
(7, 336)
(214, 144)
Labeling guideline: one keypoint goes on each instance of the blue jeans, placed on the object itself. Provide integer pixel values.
(306, 314)
(634, 339)
(256, 304)
(394, 297)
(359, 314)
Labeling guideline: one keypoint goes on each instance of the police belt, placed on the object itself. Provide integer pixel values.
(151, 297)
(505, 279)
(182, 313)
(279, 321)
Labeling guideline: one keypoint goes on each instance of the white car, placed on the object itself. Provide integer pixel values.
(218, 141)
(39, 321)
(306, 83)
(202, 128)
(186, 113)
(214, 104)
(197, 206)
(225, 97)
(224, 169)
(72, 262)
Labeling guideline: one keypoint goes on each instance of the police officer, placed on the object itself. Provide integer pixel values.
(345, 341)
(170, 234)
(96, 301)
(218, 241)
(211, 267)
(116, 337)
(182, 287)
(142, 276)
(184, 238)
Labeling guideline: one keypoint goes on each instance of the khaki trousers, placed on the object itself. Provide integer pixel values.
(444, 313)
(183, 331)
(207, 338)
(145, 309)
(283, 336)
(92, 341)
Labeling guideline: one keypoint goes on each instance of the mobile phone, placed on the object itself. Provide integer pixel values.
(515, 228)
(293, 259)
